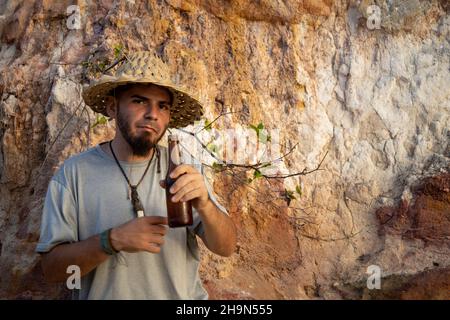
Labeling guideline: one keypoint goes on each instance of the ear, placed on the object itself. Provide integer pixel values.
(111, 106)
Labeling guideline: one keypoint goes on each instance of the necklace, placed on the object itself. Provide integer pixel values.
(138, 208)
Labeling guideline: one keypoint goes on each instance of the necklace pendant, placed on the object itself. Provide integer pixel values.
(138, 208)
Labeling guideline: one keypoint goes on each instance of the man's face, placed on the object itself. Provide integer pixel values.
(143, 114)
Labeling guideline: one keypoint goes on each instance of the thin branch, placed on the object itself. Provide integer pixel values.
(255, 166)
(302, 173)
(201, 143)
(123, 42)
(270, 200)
(217, 118)
(114, 64)
(349, 210)
(66, 63)
(59, 133)
(88, 135)
(347, 237)
(288, 153)
(271, 203)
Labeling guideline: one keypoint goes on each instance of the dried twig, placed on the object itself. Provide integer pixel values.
(217, 118)
(88, 134)
(347, 237)
(302, 173)
(60, 132)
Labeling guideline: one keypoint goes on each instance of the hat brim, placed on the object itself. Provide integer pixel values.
(184, 111)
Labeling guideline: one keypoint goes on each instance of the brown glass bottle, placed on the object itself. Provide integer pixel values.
(179, 213)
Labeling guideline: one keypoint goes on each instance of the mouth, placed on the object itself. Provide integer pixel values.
(148, 128)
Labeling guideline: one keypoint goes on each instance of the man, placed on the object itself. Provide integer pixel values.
(89, 218)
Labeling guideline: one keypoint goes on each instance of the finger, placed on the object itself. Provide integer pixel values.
(181, 169)
(156, 220)
(158, 229)
(185, 180)
(181, 193)
(191, 195)
(155, 239)
(152, 248)
(162, 183)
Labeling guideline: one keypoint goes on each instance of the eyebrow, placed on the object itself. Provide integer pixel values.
(146, 99)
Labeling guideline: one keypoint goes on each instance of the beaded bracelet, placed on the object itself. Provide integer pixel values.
(105, 242)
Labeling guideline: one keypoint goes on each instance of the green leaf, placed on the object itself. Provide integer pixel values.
(217, 166)
(265, 165)
(118, 50)
(102, 65)
(259, 129)
(212, 147)
(257, 174)
(264, 137)
(254, 128)
(298, 189)
(207, 125)
(100, 120)
(289, 194)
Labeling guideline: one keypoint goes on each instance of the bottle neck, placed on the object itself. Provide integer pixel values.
(174, 155)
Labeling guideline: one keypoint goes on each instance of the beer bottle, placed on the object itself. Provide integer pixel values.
(179, 213)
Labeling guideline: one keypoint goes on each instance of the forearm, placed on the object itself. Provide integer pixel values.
(220, 231)
(86, 254)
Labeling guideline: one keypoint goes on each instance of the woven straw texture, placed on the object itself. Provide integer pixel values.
(145, 67)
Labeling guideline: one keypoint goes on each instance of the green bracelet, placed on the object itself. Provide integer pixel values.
(105, 242)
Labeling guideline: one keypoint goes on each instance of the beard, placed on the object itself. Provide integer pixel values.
(141, 145)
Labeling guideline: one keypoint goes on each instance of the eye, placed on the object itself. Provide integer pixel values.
(164, 106)
(138, 101)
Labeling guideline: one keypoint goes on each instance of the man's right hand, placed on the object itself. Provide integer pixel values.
(141, 234)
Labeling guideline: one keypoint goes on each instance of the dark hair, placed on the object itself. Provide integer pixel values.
(118, 91)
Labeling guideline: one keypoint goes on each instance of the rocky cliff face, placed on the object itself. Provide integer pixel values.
(370, 85)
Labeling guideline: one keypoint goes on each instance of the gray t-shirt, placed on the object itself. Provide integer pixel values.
(88, 194)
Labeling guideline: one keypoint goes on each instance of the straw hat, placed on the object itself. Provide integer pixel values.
(145, 67)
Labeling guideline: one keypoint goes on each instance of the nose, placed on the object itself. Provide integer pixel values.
(152, 111)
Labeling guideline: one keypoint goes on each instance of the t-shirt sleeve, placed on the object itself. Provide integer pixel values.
(59, 218)
(197, 226)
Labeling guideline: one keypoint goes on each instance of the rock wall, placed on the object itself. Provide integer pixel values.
(376, 99)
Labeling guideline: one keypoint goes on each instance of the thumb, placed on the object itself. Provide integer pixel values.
(162, 183)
